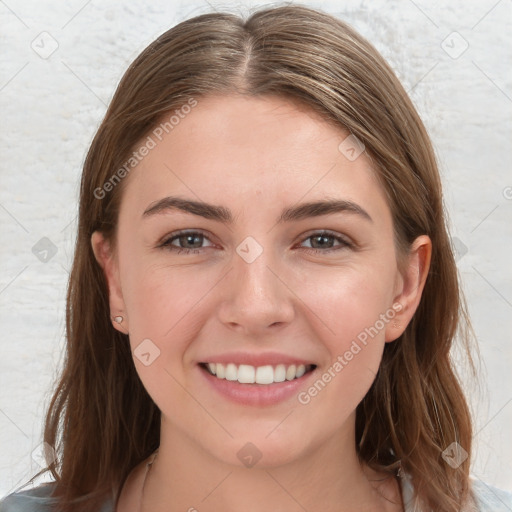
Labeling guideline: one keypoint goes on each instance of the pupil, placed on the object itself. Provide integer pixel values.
(321, 237)
(190, 238)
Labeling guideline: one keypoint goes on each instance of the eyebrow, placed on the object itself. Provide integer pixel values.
(224, 215)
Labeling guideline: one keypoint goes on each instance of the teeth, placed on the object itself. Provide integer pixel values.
(247, 374)
(280, 373)
(231, 372)
(220, 371)
(291, 371)
(264, 375)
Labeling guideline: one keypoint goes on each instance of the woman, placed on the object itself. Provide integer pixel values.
(250, 371)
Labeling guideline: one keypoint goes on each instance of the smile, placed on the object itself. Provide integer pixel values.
(247, 374)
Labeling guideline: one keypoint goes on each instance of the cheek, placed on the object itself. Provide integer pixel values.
(355, 309)
(164, 307)
(351, 302)
(356, 314)
(162, 302)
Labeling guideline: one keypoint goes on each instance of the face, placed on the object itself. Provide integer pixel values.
(246, 285)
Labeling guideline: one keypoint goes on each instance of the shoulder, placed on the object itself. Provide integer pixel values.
(487, 497)
(37, 499)
(491, 499)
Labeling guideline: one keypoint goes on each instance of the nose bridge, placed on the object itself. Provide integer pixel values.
(256, 277)
(257, 296)
(253, 262)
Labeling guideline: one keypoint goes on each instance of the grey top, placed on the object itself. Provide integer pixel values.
(37, 499)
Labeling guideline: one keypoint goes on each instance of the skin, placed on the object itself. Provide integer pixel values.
(257, 156)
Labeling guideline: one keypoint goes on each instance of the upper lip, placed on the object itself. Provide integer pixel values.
(260, 359)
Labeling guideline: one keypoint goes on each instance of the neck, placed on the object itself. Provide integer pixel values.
(329, 478)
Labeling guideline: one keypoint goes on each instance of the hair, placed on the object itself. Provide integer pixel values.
(100, 420)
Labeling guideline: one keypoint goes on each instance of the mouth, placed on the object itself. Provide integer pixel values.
(262, 375)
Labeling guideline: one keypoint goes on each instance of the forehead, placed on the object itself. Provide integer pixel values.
(243, 148)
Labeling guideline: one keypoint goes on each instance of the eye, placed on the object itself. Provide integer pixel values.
(192, 240)
(322, 245)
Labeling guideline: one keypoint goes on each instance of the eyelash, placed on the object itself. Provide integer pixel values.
(179, 250)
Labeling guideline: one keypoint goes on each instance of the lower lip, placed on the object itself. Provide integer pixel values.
(256, 394)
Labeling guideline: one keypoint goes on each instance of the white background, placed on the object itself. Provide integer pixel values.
(50, 109)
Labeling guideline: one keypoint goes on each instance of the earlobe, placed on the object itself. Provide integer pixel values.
(412, 281)
(108, 262)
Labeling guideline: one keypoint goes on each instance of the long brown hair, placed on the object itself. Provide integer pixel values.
(101, 420)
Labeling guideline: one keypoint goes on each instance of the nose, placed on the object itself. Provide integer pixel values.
(256, 295)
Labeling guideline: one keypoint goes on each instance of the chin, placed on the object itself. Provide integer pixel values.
(259, 451)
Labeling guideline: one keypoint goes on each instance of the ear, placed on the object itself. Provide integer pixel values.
(107, 259)
(410, 284)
